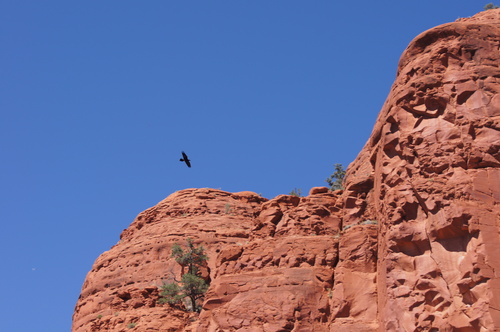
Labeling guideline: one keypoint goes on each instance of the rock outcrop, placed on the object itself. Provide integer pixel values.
(411, 244)
(430, 175)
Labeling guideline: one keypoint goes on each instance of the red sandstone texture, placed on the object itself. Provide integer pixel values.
(411, 244)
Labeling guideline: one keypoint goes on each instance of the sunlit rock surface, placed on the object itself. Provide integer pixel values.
(411, 244)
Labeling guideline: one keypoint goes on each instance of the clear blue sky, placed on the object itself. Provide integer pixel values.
(99, 98)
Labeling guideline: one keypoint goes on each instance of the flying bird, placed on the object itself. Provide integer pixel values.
(185, 159)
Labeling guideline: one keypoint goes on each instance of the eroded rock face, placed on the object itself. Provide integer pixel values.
(411, 244)
(429, 174)
(122, 287)
(281, 279)
(271, 264)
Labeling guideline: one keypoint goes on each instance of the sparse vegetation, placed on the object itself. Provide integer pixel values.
(369, 222)
(490, 6)
(335, 180)
(345, 228)
(296, 192)
(132, 325)
(365, 222)
(191, 286)
(227, 208)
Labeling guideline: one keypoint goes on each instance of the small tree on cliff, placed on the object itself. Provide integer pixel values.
(191, 286)
(296, 192)
(490, 6)
(335, 180)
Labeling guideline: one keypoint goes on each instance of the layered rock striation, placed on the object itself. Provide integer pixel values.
(411, 244)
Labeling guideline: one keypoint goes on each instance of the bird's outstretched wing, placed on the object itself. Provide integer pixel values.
(185, 159)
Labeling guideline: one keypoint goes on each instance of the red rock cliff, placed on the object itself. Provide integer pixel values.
(429, 174)
(411, 244)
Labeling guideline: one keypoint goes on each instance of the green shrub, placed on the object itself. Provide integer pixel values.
(191, 286)
(335, 180)
(490, 6)
(171, 293)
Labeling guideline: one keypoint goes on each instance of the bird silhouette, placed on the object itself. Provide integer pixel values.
(185, 159)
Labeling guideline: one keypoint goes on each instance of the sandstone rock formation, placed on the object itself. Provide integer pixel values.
(121, 290)
(411, 244)
(430, 175)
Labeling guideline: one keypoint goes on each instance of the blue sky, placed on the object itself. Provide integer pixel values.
(99, 98)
